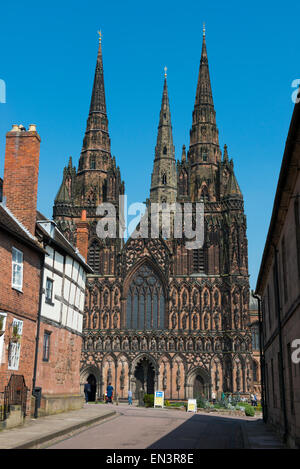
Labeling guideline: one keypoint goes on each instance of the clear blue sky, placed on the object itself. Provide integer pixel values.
(48, 54)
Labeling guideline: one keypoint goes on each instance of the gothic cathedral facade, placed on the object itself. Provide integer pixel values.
(159, 316)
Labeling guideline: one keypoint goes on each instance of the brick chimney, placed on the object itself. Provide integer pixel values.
(21, 170)
(82, 235)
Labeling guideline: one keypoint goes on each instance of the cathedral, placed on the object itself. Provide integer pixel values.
(160, 316)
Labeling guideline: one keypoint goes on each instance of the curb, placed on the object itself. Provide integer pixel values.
(34, 444)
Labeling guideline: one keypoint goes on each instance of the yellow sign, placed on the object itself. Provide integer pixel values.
(159, 399)
(192, 405)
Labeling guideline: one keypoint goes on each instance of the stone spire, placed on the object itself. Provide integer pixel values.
(164, 179)
(95, 153)
(204, 140)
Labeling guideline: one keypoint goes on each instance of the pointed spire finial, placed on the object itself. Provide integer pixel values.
(165, 69)
(203, 29)
(100, 36)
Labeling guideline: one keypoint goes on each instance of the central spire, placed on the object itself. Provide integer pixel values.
(163, 182)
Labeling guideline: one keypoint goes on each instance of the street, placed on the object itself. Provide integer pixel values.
(139, 428)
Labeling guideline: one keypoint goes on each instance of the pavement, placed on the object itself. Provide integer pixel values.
(50, 430)
(36, 432)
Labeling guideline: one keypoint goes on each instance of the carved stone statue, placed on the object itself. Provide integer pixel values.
(109, 375)
(105, 298)
(174, 321)
(105, 320)
(99, 344)
(116, 297)
(165, 379)
(217, 321)
(95, 320)
(206, 298)
(178, 379)
(236, 318)
(125, 344)
(190, 344)
(195, 298)
(238, 378)
(115, 321)
(195, 322)
(122, 378)
(144, 343)
(206, 321)
(216, 298)
(135, 344)
(90, 344)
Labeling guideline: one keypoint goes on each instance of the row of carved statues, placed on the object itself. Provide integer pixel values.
(171, 344)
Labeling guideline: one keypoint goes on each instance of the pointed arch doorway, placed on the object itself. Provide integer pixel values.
(199, 383)
(144, 375)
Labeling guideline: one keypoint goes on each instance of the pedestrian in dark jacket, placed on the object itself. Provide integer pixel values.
(87, 390)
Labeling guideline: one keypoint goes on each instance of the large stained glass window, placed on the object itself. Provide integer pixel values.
(145, 301)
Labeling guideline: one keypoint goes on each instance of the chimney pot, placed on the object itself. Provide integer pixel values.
(32, 128)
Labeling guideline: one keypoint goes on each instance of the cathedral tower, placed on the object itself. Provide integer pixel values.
(97, 180)
(164, 176)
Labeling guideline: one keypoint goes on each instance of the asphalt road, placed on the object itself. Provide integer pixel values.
(139, 428)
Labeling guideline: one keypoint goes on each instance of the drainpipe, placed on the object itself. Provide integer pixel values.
(281, 377)
(262, 360)
(38, 331)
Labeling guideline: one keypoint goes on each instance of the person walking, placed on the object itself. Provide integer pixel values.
(129, 397)
(87, 390)
(109, 393)
(213, 396)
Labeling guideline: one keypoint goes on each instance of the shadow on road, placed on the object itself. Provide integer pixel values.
(204, 432)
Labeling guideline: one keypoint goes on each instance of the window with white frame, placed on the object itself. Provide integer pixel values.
(17, 269)
(49, 290)
(2, 330)
(15, 345)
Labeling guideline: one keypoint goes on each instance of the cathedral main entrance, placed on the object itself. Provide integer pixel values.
(200, 388)
(144, 377)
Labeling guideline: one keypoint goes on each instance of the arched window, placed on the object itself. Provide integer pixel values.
(94, 257)
(165, 150)
(164, 179)
(145, 301)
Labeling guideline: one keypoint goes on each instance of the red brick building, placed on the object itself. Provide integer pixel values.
(42, 287)
(21, 258)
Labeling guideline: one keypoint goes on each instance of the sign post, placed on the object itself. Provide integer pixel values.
(159, 399)
(192, 405)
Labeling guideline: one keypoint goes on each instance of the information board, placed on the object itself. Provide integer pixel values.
(159, 399)
(192, 405)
